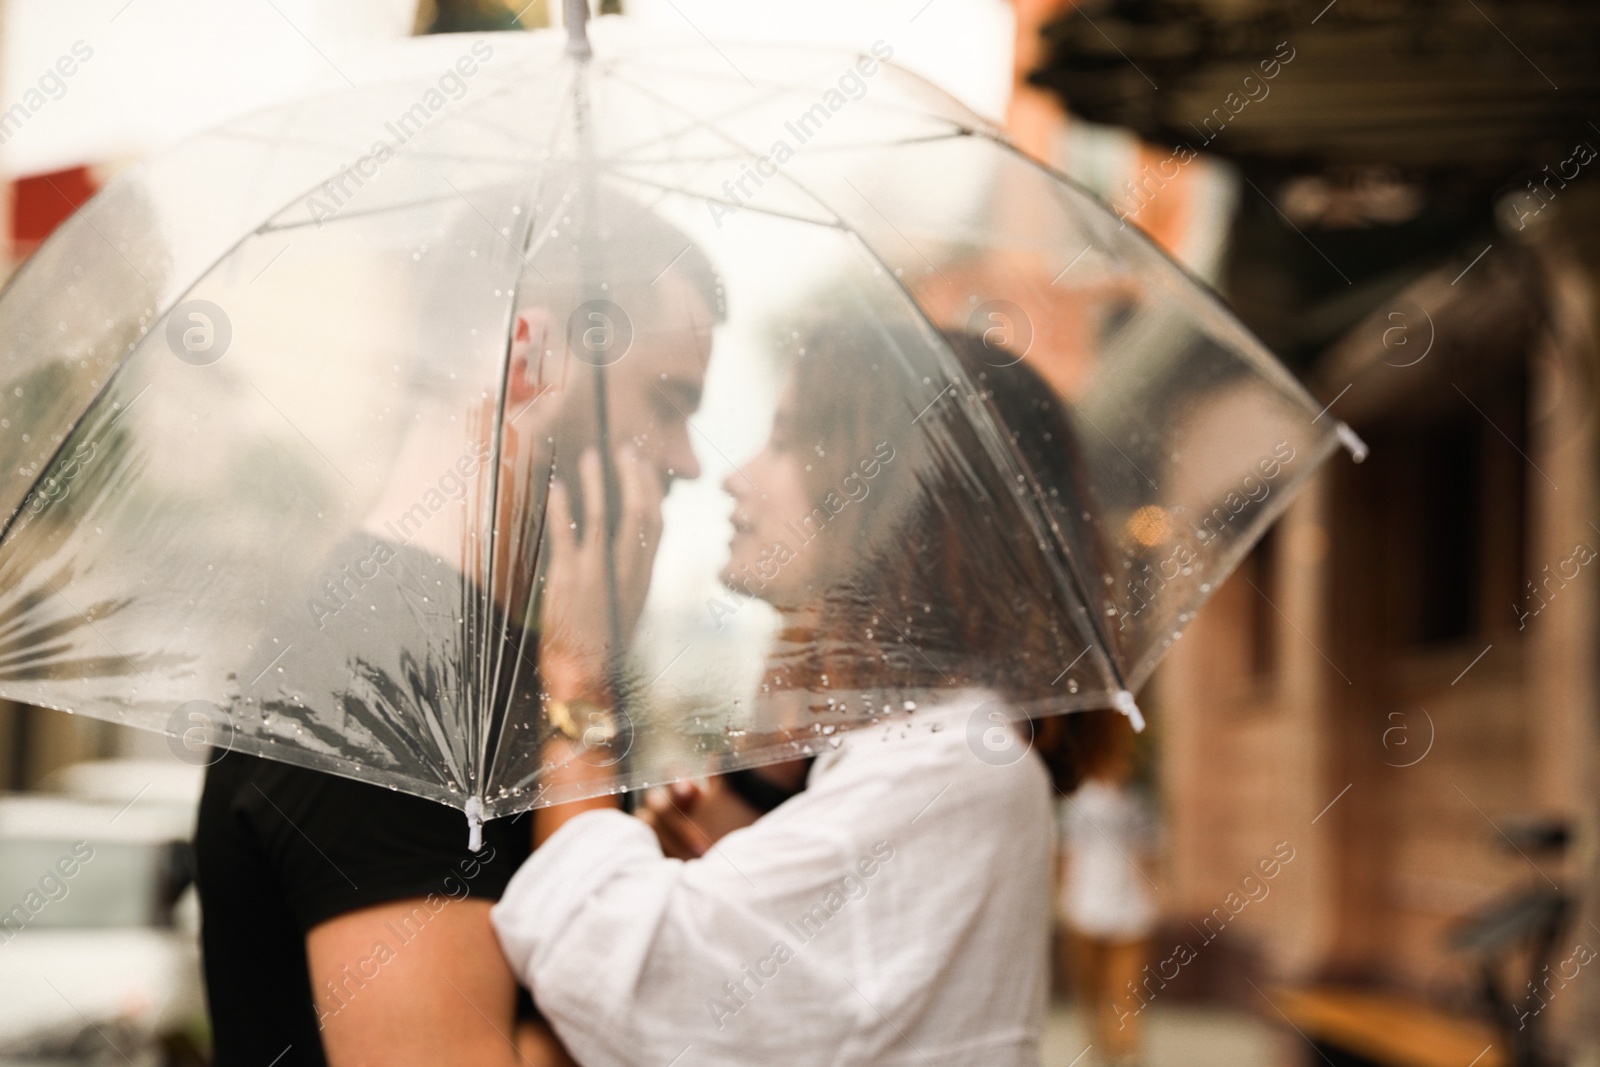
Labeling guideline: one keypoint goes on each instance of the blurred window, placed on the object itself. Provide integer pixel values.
(1451, 517)
(1261, 567)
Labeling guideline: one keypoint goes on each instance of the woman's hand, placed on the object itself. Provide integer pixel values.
(690, 818)
(575, 626)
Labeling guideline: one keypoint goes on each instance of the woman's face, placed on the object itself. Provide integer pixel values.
(767, 556)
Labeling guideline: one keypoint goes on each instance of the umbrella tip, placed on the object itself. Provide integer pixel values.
(1123, 701)
(474, 824)
(1352, 443)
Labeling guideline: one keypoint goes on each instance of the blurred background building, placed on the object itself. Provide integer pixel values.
(1403, 200)
(1401, 681)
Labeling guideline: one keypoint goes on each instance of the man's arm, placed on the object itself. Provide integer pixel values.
(414, 982)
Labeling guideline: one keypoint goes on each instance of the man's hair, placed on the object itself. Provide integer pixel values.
(622, 254)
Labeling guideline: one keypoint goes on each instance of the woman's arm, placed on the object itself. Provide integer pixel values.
(627, 951)
(576, 922)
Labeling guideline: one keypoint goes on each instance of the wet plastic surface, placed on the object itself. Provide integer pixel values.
(282, 412)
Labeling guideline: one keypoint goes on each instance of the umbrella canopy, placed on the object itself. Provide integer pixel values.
(311, 424)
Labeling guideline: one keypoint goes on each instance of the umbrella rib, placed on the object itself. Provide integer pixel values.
(692, 73)
(1075, 581)
(725, 137)
(835, 224)
(265, 226)
(1268, 367)
(950, 135)
(116, 372)
(324, 146)
(467, 112)
(433, 725)
(1252, 349)
(488, 744)
(622, 174)
(808, 90)
(492, 746)
(402, 205)
(708, 122)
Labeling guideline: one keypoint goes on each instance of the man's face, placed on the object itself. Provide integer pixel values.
(656, 386)
(651, 389)
(551, 414)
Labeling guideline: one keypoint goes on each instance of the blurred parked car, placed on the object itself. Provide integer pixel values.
(99, 951)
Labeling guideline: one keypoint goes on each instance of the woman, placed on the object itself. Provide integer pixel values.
(898, 909)
(1108, 895)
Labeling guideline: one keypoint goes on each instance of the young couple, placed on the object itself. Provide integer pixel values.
(892, 906)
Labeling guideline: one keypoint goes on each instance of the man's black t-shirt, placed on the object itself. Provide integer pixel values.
(281, 848)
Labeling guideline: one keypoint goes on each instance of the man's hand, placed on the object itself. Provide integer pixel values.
(575, 625)
(690, 818)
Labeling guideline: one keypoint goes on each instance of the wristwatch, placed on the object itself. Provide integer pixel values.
(583, 722)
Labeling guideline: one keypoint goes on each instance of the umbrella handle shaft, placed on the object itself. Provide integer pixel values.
(576, 16)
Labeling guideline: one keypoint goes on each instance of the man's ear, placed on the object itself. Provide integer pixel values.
(535, 355)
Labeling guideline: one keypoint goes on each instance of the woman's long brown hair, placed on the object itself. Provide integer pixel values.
(944, 583)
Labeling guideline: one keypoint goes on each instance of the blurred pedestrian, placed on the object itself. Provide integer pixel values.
(1109, 902)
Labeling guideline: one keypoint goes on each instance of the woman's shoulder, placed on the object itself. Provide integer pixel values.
(966, 748)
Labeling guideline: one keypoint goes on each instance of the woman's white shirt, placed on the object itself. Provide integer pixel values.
(896, 912)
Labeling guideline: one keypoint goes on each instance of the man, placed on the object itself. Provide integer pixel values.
(344, 922)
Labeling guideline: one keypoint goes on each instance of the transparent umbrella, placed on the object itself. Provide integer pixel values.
(735, 396)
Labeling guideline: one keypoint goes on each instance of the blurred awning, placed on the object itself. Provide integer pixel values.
(1488, 88)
